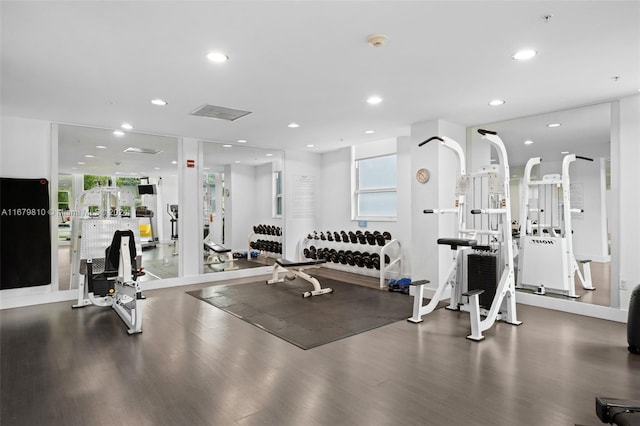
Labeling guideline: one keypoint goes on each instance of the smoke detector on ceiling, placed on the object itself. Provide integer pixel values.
(377, 40)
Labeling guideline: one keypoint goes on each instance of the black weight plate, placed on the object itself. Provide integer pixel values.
(386, 235)
(380, 240)
(362, 239)
(376, 263)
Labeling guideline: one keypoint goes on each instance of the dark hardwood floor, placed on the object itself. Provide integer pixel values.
(197, 365)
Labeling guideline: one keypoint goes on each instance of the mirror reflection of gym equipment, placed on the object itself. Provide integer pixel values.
(546, 259)
(587, 131)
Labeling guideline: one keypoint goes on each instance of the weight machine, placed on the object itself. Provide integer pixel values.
(109, 277)
(172, 209)
(546, 261)
(483, 242)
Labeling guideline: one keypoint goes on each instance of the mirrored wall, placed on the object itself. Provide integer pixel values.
(242, 206)
(135, 177)
(537, 199)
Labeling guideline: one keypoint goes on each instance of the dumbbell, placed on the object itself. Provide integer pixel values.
(345, 237)
(353, 237)
(371, 239)
(362, 238)
(329, 236)
(322, 236)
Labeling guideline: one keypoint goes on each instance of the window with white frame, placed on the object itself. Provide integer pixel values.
(277, 194)
(375, 188)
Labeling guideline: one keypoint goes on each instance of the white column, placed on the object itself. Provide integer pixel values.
(624, 224)
(428, 260)
(190, 208)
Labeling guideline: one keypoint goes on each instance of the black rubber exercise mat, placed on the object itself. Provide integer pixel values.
(281, 310)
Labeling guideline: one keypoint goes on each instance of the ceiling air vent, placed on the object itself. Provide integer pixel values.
(221, 113)
(143, 150)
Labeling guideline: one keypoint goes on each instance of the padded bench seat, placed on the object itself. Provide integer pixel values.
(455, 242)
(293, 264)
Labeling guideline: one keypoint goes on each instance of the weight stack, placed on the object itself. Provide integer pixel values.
(482, 274)
(633, 322)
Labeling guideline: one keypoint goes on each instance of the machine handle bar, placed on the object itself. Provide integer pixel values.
(487, 132)
(488, 211)
(439, 211)
(584, 158)
(430, 139)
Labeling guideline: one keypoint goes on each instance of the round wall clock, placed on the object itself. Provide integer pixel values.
(423, 175)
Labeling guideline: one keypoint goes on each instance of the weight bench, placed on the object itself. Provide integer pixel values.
(297, 268)
(214, 259)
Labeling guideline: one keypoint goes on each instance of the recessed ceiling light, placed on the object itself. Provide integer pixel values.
(554, 125)
(269, 155)
(126, 126)
(374, 100)
(89, 156)
(369, 132)
(496, 102)
(81, 162)
(310, 145)
(293, 125)
(207, 168)
(528, 142)
(227, 146)
(156, 168)
(159, 102)
(493, 160)
(118, 133)
(217, 57)
(242, 141)
(564, 152)
(523, 55)
(101, 147)
(237, 161)
(174, 162)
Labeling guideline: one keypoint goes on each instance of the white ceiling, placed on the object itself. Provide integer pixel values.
(98, 63)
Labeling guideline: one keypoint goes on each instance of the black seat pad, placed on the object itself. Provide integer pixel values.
(454, 242)
(292, 264)
(217, 248)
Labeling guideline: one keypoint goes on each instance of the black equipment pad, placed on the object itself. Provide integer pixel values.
(216, 248)
(309, 322)
(291, 264)
(454, 242)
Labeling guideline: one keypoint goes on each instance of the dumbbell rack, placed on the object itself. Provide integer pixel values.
(391, 251)
(269, 236)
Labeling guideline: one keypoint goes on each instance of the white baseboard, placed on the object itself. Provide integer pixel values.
(20, 297)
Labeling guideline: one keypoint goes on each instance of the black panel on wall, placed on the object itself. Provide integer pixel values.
(25, 233)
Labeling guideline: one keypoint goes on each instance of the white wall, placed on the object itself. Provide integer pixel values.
(264, 195)
(429, 260)
(296, 165)
(335, 198)
(190, 202)
(167, 194)
(240, 205)
(25, 149)
(625, 226)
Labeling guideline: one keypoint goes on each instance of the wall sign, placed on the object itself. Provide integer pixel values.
(191, 164)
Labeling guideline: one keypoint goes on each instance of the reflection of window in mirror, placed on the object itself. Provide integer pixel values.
(277, 194)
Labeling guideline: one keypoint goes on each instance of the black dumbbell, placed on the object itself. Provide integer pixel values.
(353, 237)
(322, 237)
(386, 235)
(329, 236)
(362, 238)
(380, 240)
(371, 239)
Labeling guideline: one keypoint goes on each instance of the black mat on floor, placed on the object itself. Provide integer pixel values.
(281, 310)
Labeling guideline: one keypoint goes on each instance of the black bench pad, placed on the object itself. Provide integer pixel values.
(454, 242)
(292, 264)
(215, 247)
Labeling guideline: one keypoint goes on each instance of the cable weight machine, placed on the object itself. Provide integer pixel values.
(483, 243)
(546, 262)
